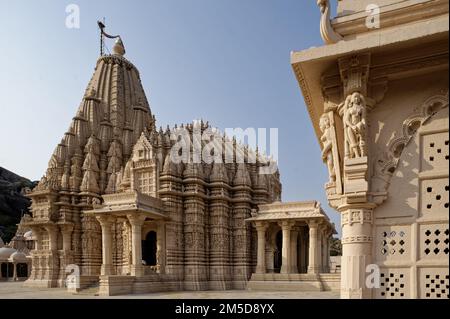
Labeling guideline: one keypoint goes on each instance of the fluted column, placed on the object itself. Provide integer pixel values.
(313, 267)
(136, 222)
(286, 251)
(261, 228)
(106, 225)
(294, 250)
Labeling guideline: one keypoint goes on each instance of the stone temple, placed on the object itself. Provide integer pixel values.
(117, 211)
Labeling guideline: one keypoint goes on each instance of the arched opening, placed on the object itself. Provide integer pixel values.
(278, 252)
(22, 270)
(7, 270)
(149, 249)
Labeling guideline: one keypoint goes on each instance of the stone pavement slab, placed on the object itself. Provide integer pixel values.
(15, 290)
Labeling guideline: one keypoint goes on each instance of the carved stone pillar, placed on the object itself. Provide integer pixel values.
(261, 228)
(355, 206)
(286, 251)
(37, 233)
(270, 251)
(319, 249)
(356, 251)
(313, 267)
(303, 266)
(106, 225)
(161, 247)
(326, 251)
(52, 237)
(136, 222)
(66, 232)
(323, 248)
(294, 250)
(15, 272)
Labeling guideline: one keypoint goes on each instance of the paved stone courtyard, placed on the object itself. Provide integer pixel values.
(15, 290)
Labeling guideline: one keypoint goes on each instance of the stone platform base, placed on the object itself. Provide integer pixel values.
(126, 285)
(331, 282)
(85, 283)
(41, 283)
(294, 282)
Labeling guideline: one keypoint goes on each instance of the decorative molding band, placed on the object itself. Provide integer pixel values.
(393, 14)
(356, 239)
(357, 216)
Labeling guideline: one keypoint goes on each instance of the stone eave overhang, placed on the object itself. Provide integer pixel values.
(121, 204)
(124, 210)
(310, 64)
(298, 216)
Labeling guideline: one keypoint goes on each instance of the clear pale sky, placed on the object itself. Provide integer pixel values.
(226, 61)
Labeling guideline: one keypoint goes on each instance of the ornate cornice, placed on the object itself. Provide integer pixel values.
(356, 239)
(359, 216)
(393, 14)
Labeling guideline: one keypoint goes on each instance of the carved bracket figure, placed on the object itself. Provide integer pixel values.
(330, 154)
(355, 126)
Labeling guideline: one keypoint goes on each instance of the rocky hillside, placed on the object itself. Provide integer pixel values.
(12, 201)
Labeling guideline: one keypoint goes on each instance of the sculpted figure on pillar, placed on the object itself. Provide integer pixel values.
(327, 139)
(355, 126)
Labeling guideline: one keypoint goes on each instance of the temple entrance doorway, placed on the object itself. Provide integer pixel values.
(149, 249)
(22, 270)
(277, 262)
(7, 270)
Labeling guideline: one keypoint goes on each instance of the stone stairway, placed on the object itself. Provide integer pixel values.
(92, 290)
(331, 281)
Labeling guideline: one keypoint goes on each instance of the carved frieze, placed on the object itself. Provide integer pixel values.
(361, 216)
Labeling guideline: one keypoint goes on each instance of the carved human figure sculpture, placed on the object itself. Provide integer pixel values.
(327, 141)
(355, 126)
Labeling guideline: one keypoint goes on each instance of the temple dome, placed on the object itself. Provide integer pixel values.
(6, 252)
(28, 235)
(18, 257)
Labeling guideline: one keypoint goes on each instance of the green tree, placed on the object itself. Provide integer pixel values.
(336, 247)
